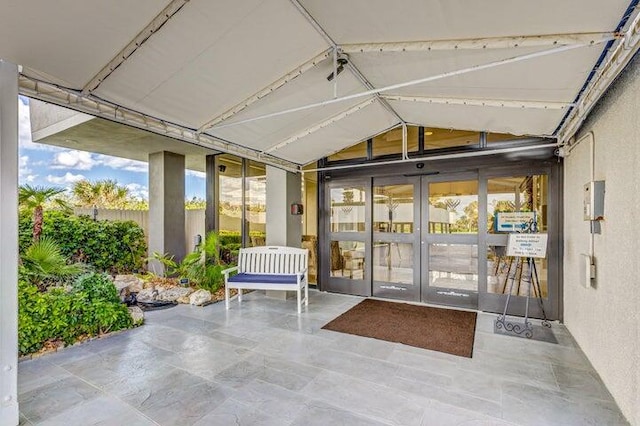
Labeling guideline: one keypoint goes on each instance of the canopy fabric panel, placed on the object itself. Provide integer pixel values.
(256, 74)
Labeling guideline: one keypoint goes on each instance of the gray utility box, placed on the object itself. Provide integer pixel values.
(594, 200)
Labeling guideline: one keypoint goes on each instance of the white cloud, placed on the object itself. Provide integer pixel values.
(122, 163)
(24, 171)
(68, 178)
(73, 159)
(197, 174)
(138, 191)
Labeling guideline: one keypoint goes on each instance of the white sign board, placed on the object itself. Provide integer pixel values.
(527, 245)
(513, 221)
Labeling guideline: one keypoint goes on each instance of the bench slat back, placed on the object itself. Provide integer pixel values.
(272, 260)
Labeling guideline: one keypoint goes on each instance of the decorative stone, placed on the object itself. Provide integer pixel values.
(184, 299)
(147, 295)
(172, 294)
(200, 297)
(134, 283)
(137, 315)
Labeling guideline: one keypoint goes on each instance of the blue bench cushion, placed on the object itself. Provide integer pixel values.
(263, 278)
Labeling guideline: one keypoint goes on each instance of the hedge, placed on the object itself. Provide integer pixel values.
(112, 246)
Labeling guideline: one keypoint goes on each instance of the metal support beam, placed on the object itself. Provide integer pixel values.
(354, 70)
(269, 89)
(447, 74)
(69, 98)
(619, 56)
(322, 125)
(482, 102)
(9, 248)
(481, 43)
(144, 35)
(475, 153)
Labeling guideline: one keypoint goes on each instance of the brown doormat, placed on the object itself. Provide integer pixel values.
(444, 330)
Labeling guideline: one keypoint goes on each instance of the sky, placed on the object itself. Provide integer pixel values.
(50, 166)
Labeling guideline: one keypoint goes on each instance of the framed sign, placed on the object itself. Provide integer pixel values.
(527, 245)
(512, 221)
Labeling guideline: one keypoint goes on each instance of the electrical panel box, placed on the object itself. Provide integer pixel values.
(594, 200)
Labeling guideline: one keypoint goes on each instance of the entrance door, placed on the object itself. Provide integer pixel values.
(433, 239)
(396, 238)
(349, 230)
(449, 240)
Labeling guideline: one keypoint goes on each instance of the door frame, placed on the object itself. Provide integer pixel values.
(439, 295)
(394, 290)
(340, 284)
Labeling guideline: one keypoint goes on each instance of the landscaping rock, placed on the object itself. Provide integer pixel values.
(132, 282)
(136, 315)
(200, 297)
(173, 293)
(147, 295)
(184, 299)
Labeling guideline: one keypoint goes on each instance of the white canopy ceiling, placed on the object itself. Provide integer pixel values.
(228, 70)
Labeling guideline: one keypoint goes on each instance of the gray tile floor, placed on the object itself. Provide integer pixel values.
(263, 364)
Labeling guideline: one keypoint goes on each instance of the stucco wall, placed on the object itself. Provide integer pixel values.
(605, 320)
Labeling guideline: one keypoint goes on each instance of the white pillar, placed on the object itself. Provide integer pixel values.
(166, 204)
(283, 189)
(9, 413)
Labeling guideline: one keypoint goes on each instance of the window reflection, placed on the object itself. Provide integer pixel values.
(348, 209)
(255, 203)
(393, 208)
(453, 207)
(347, 259)
(393, 262)
(453, 266)
(517, 194)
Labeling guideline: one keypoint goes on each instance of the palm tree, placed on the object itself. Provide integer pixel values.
(102, 193)
(34, 198)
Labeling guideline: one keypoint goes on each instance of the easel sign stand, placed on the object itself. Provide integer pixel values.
(525, 246)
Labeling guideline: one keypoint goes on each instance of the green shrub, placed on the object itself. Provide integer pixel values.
(113, 246)
(90, 308)
(44, 264)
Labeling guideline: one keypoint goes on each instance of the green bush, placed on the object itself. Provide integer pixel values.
(90, 308)
(112, 246)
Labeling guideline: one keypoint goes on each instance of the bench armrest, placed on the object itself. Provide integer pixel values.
(302, 272)
(227, 271)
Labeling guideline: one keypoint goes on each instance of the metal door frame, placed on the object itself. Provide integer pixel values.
(339, 284)
(460, 298)
(392, 290)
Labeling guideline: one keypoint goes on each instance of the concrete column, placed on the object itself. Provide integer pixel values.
(9, 414)
(283, 189)
(211, 221)
(166, 204)
(283, 229)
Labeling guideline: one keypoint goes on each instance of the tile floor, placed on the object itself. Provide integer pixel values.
(261, 364)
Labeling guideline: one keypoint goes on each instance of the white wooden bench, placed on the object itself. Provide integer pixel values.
(269, 268)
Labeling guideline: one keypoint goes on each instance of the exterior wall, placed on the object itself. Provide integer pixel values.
(605, 320)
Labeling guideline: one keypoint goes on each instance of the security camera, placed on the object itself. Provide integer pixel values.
(222, 168)
(420, 165)
(561, 152)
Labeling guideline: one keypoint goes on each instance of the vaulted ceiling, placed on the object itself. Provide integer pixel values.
(254, 77)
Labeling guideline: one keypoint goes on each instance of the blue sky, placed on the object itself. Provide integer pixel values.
(46, 165)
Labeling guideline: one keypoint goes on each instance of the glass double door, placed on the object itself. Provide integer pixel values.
(434, 239)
